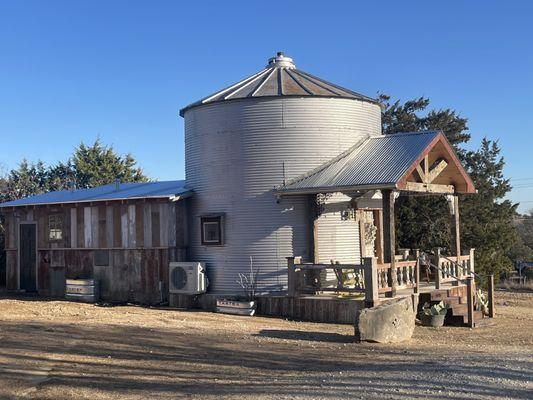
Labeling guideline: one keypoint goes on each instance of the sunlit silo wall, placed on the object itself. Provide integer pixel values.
(238, 151)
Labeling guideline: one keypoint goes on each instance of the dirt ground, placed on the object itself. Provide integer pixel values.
(62, 350)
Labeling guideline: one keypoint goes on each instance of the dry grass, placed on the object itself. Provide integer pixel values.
(518, 287)
(61, 350)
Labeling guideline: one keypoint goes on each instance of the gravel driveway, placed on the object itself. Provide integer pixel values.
(62, 350)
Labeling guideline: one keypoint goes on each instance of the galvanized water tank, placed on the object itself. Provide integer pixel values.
(84, 290)
(242, 142)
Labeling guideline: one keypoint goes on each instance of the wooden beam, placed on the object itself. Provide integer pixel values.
(429, 188)
(421, 173)
(362, 234)
(389, 236)
(456, 233)
(456, 226)
(436, 169)
(378, 221)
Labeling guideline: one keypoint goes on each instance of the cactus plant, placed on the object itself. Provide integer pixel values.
(433, 315)
(435, 309)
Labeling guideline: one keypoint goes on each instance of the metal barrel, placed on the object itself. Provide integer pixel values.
(84, 290)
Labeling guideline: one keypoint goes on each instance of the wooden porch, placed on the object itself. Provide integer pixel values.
(310, 297)
(426, 166)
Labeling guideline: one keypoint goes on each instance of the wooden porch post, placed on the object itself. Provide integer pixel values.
(371, 281)
(313, 229)
(456, 232)
(389, 236)
(378, 220)
(291, 277)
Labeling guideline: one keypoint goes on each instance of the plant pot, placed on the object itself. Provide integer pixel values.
(436, 321)
(236, 307)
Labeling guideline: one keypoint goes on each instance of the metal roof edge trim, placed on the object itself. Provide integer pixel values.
(334, 189)
(172, 197)
(294, 96)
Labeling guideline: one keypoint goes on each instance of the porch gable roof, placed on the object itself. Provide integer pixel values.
(389, 162)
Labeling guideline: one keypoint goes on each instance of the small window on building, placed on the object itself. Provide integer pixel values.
(101, 258)
(211, 230)
(55, 227)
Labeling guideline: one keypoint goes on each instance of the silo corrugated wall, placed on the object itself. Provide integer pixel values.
(238, 151)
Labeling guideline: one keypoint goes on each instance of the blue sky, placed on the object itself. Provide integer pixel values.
(120, 70)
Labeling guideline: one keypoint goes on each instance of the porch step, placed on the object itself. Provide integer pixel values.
(462, 319)
(455, 298)
(444, 294)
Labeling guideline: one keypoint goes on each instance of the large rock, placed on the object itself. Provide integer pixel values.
(390, 322)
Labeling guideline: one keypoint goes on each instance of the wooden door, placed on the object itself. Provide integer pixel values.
(28, 257)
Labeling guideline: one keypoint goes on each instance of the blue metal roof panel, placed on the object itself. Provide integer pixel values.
(106, 192)
(379, 160)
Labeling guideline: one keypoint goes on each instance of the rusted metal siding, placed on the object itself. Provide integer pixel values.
(238, 152)
(135, 266)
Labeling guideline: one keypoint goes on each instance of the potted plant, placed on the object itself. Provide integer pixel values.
(241, 305)
(433, 315)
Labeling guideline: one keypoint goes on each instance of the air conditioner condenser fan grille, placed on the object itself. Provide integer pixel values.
(178, 277)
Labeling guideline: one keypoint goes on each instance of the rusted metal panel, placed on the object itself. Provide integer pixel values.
(147, 219)
(87, 231)
(94, 226)
(124, 225)
(156, 226)
(109, 232)
(73, 227)
(117, 226)
(132, 242)
(80, 217)
(102, 227)
(139, 225)
(11, 270)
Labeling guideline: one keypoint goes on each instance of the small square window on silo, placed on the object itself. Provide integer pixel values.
(211, 229)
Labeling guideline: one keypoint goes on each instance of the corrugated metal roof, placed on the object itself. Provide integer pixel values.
(378, 161)
(164, 189)
(279, 78)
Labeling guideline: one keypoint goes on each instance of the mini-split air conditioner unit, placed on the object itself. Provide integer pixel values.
(187, 278)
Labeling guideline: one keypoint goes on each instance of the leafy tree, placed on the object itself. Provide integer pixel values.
(486, 219)
(97, 165)
(89, 166)
(524, 227)
(27, 180)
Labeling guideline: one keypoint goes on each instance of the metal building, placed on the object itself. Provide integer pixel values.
(243, 142)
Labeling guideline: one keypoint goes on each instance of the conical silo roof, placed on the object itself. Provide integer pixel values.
(279, 78)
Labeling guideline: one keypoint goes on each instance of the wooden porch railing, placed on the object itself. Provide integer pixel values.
(375, 279)
(452, 268)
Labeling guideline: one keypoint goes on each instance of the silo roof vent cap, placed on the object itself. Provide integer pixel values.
(280, 61)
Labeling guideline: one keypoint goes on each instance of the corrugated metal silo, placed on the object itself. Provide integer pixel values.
(244, 141)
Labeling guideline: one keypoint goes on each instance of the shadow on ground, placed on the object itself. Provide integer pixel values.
(117, 360)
